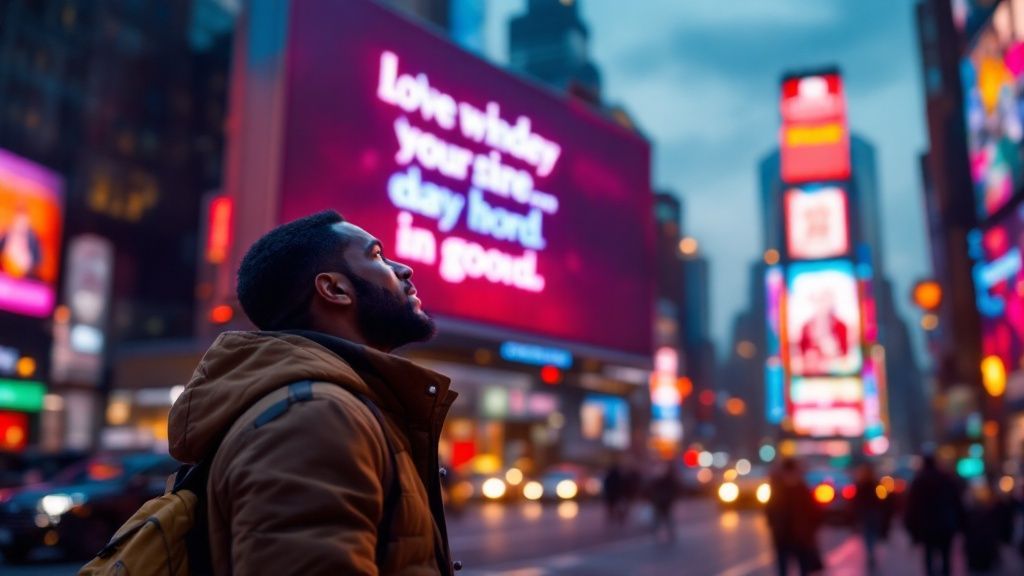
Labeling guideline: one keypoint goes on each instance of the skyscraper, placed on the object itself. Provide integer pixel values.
(550, 42)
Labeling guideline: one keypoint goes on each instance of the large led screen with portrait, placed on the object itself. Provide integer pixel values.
(823, 328)
(816, 222)
(999, 288)
(815, 142)
(992, 74)
(517, 208)
(31, 216)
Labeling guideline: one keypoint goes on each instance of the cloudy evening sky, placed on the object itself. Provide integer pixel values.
(701, 77)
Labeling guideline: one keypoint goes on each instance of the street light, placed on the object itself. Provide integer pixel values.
(688, 246)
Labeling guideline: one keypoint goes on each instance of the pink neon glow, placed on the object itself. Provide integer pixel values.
(27, 297)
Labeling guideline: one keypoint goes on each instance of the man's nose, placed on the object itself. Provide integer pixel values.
(401, 270)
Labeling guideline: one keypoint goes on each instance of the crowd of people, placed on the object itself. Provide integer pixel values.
(937, 507)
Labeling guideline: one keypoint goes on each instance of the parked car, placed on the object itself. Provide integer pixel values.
(566, 482)
(82, 506)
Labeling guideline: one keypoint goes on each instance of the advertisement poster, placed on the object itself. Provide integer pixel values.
(999, 288)
(31, 217)
(815, 142)
(823, 319)
(991, 75)
(512, 204)
(816, 222)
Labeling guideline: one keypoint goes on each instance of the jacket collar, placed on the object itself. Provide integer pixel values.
(420, 396)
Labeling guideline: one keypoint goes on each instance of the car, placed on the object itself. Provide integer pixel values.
(749, 490)
(834, 491)
(20, 469)
(82, 506)
(563, 482)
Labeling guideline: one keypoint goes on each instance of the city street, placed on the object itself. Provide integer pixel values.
(521, 540)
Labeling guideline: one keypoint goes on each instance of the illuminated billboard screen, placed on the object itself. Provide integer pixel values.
(815, 143)
(516, 208)
(999, 288)
(31, 217)
(605, 418)
(816, 222)
(775, 374)
(992, 74)
(826, 407)
(823, 319)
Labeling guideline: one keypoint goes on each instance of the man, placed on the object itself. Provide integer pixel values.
(935, 513)
(302, 490)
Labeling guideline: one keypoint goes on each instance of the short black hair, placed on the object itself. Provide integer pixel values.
(275, 279)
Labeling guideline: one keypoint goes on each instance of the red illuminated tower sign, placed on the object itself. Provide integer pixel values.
(815, 141)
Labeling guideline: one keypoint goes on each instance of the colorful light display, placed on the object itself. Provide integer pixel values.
(508, 202)
(823, 319)
(31, 217)
(992, 75)
(815, 143)
(816, 222)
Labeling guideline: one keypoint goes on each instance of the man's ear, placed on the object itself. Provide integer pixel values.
(334, 288)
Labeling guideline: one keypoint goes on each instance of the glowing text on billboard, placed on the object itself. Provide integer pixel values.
(411, 190)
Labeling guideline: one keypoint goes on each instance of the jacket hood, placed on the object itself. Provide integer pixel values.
(242, 367)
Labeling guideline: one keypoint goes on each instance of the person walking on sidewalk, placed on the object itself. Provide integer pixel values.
(339, 472)
(664, 491)
(869, 510)
(794, 519)
(934, 515)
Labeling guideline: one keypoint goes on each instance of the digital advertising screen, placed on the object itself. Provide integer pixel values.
(605, 418)
(827, 407)
(775, 373)
(516, 208)
(999, 288)
(815, 142)
(992, 85)
(31, 216)
(816, 222)
(823, 330)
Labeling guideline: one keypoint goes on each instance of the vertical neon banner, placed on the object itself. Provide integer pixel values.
(775, 373)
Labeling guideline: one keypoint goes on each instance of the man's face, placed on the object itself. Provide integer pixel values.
(388, 310)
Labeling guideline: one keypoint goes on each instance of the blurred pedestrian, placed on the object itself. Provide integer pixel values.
(614, 493)
(869, 510)
(982, 529)
(664, 490)
(315, 484)
(934, 514)
(794, 519)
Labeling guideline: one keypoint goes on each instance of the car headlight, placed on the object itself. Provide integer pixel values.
(764, 493)
(55, 505)
(728, 492)
(533, 490)
(567, 489)
(493, 488)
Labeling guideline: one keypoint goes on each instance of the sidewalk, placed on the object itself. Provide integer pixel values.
(898, 557)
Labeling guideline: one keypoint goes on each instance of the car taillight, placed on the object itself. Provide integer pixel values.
(824, 494)
(849, 492)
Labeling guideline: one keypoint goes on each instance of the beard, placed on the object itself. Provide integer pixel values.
(385, 320)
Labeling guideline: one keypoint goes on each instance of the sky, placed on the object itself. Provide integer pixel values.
(701, 79)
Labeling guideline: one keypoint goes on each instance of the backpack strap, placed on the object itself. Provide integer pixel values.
(263, 412)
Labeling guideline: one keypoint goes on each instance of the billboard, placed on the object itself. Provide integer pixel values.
(823, 329)
(816, 222)
(31, 216)
(991, 73)
(775, 374)
(999, 287)
(605, 418)
(516, 208)
(815, 142)
(827, 407)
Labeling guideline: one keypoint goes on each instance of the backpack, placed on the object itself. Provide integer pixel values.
(168, 535)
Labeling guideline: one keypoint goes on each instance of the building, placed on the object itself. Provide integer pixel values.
(550, 43)
(974, 185)
(125, 104)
